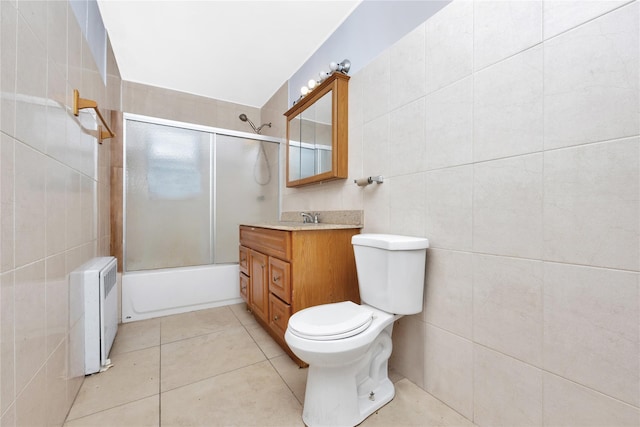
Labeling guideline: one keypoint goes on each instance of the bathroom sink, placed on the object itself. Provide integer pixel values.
(298, 225)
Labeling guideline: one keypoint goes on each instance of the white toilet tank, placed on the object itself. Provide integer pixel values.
(391, 271)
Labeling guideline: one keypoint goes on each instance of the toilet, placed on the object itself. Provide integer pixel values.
(346, 345)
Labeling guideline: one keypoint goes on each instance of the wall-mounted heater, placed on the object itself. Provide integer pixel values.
(98, 280)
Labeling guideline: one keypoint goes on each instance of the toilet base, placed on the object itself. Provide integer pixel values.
(346, 395)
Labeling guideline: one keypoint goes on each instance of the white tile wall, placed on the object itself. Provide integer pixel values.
(507, 306)
(562, 15)
(590, 328)
(406, 135)
(448, 297)
(407, 79)
(504, 28)
(410, 361)
(507, 392)
(567, 403)
(448, 369)
(591, 206)
(528, 188)
(377, 83)
(48, 206)
(408, 192)
(507, 206)
(511, 88)
(449, 45)
(590, 81)
(448, 214)
(376, 146)
(449, 125)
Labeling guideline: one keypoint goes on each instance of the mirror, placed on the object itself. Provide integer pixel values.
(317, 144)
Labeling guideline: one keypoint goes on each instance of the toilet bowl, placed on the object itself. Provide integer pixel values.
(347, 379)
(346, 345)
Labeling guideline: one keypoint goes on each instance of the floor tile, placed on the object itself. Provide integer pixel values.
(412, 406)
(194, 359)
(141, 413)
(195, 323)
(294, 376)
(269, 347)
(222, 370)
(134, 375)
(259, 398)
(136, 336)
(244, 316)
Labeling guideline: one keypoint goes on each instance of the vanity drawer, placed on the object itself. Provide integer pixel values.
(244, 287)
(279, 313)
(275, 243)
(244, 260)
(280, 279)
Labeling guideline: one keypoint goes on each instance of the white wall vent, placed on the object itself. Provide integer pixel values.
(98, 278)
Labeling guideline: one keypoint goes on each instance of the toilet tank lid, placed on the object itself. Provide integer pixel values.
(390, 242)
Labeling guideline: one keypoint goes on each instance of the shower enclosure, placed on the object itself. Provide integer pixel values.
(187, 188)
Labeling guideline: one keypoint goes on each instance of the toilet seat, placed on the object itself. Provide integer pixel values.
(331, 321)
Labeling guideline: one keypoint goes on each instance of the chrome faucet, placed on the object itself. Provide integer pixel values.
(308, 219)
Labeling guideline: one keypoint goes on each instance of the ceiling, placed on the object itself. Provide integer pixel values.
(237, 51)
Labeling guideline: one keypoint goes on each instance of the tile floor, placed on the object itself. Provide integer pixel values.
(218, 367)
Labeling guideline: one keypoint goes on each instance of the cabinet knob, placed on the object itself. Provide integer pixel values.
(276, 318)
(276, 278)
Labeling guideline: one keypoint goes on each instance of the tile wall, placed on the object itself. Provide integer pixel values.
(54, 204)
(169, 104)
(509, 135)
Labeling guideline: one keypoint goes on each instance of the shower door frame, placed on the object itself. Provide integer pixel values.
(213, 132)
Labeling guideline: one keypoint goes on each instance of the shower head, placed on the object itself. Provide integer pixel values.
(244, 118)
(263, 125)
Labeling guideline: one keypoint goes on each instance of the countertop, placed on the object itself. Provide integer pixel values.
(299, 226)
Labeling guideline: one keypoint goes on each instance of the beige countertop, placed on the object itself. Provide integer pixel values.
(299, 226)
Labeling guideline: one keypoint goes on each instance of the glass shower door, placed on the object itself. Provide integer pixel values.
(168, 197)
(246, 172)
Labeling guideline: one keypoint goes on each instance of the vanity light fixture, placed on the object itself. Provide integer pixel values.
(342, 67)
(323, 75)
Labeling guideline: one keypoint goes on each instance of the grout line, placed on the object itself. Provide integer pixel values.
(541, 260)
(282, 378)
(108, 409)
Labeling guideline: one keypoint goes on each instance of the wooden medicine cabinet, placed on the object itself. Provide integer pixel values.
(317, 134)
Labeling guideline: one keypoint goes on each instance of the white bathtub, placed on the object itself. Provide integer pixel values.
(155, 293)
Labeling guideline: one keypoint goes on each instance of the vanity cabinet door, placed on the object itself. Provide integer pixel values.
(244, 260)
(244, 287)
(279, 279)
(279, 313)
(259, 289)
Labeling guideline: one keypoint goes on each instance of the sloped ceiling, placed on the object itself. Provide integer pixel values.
(236, 51)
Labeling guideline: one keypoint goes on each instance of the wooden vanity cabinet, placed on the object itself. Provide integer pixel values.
(244, 273)
(289, 270)
(259, 284)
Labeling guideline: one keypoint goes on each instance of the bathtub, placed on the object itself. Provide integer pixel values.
(155, 293)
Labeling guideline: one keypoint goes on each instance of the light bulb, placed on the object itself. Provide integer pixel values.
(323, 75)
(304, 90)
(333, 66)
(311, 83)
